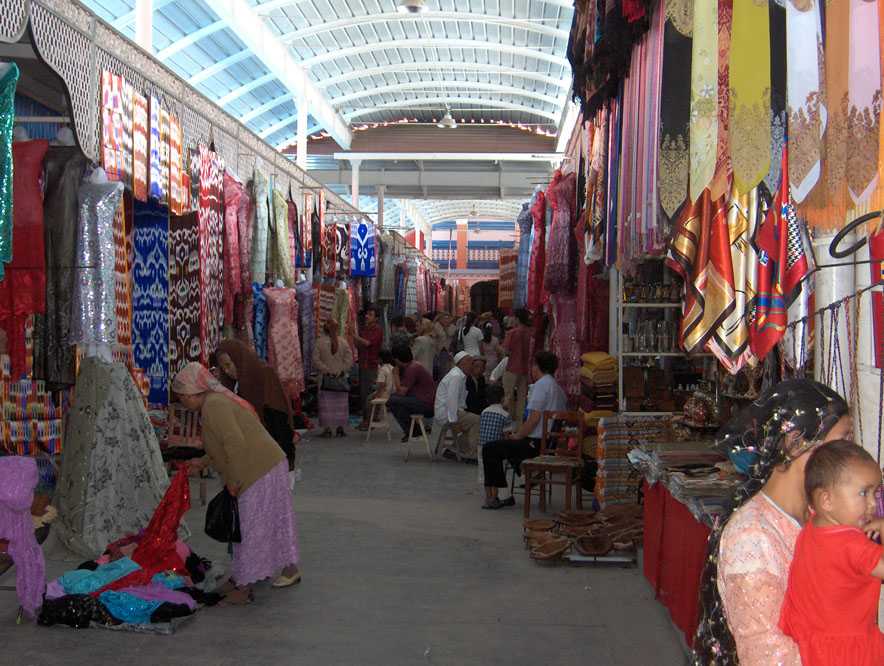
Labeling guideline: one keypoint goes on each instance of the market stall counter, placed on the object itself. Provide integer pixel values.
(684, 489)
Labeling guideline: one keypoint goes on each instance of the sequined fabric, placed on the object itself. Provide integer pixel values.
(756, 550)
(93, 306)
(112, 473)
(18, 478)
(7, 117)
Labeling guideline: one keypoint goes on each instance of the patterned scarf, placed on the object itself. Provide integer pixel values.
(195, 378)
(750, 94)
(211, 230)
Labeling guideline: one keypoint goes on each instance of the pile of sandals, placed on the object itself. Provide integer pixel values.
(617, 528)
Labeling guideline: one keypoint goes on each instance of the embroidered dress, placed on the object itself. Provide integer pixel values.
(281, 265)
(184, 292)
(150, 297)
(304, 291)
(561, 253)
(284, 345)
(233, 193)
(93, 306)
(537, 296)
(524, 222)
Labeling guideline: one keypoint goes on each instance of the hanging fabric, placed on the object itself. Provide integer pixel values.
(177, 189)
(721, 181)
(211, 228)
(362, 241)
(140, 135)
(282, 266)
(233, 193)
(342, 247)
(157, 185)
(8, 83)
(284, 346)
(122, 276)
(806, 104)
(524, 223)
(704, 96)
(150, 297)
(306, 318)
(65, 166)
(184, 292)
(261, 230)
(259, 320)
(777, 94)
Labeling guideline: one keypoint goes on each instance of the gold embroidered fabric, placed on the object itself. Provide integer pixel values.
(750, 94)
(721, 181)
(681, 14)
(673, 160)
(704, 96)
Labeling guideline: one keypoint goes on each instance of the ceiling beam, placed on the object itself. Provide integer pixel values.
(190, 39)
(236, 93)
(219, 66)
(391, 17)
(448, 157)
(265, 107)
(436, 66)
(453, 84)
(271, 5)
(524, 51)
(278, 125)
(277, 58)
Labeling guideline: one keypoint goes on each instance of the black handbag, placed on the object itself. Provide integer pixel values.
(336, 383)
(222, 518)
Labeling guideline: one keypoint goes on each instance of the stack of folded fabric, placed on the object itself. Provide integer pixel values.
(598, 382)
(617, 481)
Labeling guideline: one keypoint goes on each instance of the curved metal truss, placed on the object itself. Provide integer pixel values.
(442, 210)
(507, 61)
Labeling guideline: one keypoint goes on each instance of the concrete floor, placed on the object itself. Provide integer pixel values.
(400, 567)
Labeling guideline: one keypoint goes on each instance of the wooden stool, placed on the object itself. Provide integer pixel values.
(418, 420)
(447, 441)
(379, 409)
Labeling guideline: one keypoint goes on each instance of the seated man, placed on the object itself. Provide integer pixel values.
(413, 389)
(451, 400)
(546, 396)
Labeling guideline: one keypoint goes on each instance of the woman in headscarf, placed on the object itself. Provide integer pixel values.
(244, 373)
(255, 471)
(424, 347)
(747, 570)
(332, 357)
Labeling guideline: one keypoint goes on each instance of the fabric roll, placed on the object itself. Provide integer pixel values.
(93, 306)
(112, 473)
(750, 94)
(8, 83)
(805, 102)
(184, 292)
(65, 166)
(703, 122)
(150, 297)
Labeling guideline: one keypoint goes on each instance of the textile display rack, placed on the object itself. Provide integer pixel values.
(78, 46)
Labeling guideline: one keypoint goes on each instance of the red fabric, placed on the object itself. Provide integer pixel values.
(233, 193)
(156, 551)
(23, 288)
(633, 10)
(368, 354)
(674, 552)
(831, 604)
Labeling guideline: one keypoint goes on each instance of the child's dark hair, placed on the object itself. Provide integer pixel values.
(494, 394)
(386, 356)
(828, 462)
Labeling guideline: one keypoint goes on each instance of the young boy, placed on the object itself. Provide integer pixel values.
(384, 383)
(492, 422)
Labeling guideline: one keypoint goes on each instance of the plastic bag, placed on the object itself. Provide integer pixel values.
(222, 518)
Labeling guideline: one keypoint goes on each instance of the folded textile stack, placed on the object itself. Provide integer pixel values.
(618, 481)
(598, 385)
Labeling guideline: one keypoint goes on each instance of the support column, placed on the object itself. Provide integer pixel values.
(354, 182)
(301, 159)
(382, 190)
(144, 24)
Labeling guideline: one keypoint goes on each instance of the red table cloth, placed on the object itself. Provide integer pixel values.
(674, 554)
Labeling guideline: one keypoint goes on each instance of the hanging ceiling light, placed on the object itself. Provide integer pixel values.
(447, 121)
(412, 7)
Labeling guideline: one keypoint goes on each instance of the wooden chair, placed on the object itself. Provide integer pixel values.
(185, 429)
(557, 465)
(379, 410)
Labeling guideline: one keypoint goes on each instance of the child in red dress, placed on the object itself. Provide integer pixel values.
(831, 604)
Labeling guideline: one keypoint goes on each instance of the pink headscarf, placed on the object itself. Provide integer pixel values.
(194, 378)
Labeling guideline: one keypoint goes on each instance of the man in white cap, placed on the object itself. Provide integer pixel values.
(450, 406)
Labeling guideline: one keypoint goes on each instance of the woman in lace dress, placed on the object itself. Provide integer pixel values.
(744, 582)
